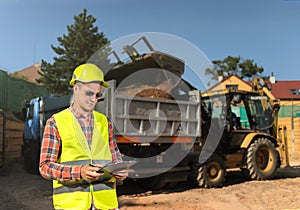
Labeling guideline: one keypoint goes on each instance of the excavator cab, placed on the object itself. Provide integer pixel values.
(241, 113)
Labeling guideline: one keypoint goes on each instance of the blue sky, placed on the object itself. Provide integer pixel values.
(266, 31)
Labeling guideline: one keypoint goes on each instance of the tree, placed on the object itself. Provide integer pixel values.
(234, 65)
(76, 47)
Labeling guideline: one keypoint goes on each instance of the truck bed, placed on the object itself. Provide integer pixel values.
(146, 118)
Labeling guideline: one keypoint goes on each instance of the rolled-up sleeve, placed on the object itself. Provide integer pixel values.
(116, 154)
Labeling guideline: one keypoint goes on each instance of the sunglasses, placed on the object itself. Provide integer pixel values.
(91, 94)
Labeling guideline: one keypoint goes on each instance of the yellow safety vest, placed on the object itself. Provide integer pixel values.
(76, 151)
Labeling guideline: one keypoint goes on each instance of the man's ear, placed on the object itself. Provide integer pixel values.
(76, 88)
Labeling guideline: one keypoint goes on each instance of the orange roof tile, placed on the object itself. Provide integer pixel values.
(282, 89)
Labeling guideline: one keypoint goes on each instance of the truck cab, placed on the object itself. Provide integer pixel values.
(36, 112)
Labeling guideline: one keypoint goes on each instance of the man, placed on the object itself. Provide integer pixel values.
(76, 143)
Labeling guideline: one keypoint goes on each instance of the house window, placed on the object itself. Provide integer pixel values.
(295, 91)
(234, 87)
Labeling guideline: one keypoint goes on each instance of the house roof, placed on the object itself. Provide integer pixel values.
(31, 73)
(280, 89)
(283, 89)
(228, 78)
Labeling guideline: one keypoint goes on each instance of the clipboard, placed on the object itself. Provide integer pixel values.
(113, 167)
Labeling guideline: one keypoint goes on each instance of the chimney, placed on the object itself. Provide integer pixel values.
(220, 78)
(272, 78)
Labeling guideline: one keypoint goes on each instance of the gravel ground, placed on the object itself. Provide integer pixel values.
(23, 191)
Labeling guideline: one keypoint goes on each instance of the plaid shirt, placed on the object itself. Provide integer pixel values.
(51, 149)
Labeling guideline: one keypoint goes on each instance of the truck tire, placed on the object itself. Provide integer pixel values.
(262, 159)
(212, 174)
(31, 158)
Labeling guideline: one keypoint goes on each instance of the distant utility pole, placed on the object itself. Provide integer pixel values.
(34, 60)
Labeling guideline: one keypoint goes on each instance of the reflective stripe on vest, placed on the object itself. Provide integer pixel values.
(76, 151)
(85, 187)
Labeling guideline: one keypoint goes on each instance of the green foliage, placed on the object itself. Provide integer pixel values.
(76, 47)
(244, 68)
(250, 69)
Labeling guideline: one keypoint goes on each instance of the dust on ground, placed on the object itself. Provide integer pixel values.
(23, 191)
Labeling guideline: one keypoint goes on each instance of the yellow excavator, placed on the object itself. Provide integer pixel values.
(251, 138)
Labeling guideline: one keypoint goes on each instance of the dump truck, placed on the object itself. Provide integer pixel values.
(149, 123)
(175, 131)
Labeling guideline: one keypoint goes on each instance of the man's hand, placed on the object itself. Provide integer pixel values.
(89, 173)
(120, 175)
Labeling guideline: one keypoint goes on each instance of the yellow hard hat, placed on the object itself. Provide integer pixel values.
(88, 72)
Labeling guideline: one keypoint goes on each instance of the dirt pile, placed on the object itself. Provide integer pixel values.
(162, 90)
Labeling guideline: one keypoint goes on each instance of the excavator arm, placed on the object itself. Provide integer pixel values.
(279, 130)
